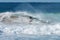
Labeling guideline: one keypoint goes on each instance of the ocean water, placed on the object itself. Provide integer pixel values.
(29, 21)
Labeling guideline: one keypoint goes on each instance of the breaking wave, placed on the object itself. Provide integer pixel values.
(20, 23)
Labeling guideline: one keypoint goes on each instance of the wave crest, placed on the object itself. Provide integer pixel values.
(21, 23)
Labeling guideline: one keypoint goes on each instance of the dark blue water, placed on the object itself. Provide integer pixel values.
(30, 7)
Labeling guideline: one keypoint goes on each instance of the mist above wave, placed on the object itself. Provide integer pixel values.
(20, 23)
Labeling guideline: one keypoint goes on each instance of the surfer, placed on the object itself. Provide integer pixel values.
(32, 18)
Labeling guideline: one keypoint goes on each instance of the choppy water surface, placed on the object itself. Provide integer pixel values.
(18, 26)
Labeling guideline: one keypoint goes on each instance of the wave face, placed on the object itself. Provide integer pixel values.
(21, 23)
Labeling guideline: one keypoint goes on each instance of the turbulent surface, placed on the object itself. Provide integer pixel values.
(19, 24)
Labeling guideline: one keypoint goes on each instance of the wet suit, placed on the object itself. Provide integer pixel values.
(31, 18)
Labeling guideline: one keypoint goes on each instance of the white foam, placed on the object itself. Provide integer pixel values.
(24, 27)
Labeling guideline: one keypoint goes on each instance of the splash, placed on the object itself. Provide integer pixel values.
(24, 23)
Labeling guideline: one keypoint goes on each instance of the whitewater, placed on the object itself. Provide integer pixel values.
(18, 23)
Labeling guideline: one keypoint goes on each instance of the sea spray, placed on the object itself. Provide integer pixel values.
(21, 25)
